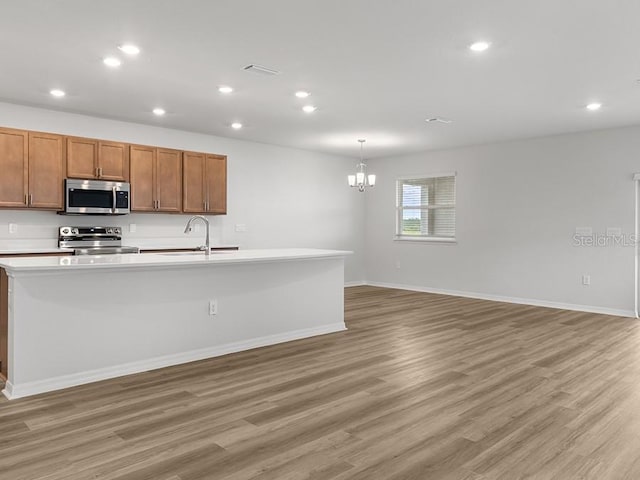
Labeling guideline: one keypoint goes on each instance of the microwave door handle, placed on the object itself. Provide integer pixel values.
(113, 210)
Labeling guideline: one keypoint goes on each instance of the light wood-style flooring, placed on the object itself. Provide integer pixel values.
(421, 386)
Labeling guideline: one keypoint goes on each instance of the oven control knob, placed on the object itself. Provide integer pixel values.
(65, 231)
(110, 231)
(74, 231)
(117, 231)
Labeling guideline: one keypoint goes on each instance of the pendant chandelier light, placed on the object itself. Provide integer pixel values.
(361, 180)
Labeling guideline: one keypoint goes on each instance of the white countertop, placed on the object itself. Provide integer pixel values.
(27, 251)
(191, 246)
(154, 260)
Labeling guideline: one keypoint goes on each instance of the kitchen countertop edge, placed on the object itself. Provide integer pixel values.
(25, 265)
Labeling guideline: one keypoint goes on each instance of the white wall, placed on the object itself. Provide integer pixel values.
(518, 205)
(286, 197)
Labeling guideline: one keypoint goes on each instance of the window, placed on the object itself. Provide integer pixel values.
(426, 208)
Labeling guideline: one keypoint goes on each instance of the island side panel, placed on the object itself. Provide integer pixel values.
(4, 324)
(75, 327)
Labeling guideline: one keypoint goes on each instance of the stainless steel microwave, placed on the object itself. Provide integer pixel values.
(96, 197)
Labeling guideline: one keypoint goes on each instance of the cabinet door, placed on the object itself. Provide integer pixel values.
(193, 193)
(82, 157)
(13, 168)
(113, 161)
(46, 171)
(143, 179)
(216, 181)
(169, 180)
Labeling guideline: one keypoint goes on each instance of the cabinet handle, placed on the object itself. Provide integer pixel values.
(158, 204)
(100, 174)
(204, 205)
(30, 199)
(26, 199)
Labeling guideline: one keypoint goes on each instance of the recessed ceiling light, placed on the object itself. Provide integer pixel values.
(112, 62)
(225, 89)
(236, 126)
(309, 108)
(129, 49)
(57, 92)
(159, 111)
(479, 46)
(594, 106)
(302, 94)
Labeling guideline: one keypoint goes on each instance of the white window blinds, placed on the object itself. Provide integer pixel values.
(426, 208)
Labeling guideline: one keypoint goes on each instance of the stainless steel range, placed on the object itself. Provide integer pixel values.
(93, 240)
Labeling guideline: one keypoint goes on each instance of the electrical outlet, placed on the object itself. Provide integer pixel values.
(586, 279)
(213, 307)
(13, 228)
(132, 228)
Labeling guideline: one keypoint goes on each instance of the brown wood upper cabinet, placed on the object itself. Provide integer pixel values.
(32, 166)
(204, 183)
(156, 179)
(88, 158)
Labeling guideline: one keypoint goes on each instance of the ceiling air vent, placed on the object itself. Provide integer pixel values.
(438, 120)
(260, 69)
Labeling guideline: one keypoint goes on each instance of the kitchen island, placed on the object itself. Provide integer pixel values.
(74, 320)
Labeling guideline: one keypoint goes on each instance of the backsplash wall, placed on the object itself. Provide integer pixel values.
(39, 229)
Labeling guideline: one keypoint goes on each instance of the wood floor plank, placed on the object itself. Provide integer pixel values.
(420, 386)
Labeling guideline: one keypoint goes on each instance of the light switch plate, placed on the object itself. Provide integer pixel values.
(13, 228)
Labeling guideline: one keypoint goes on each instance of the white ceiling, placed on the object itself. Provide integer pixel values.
(376, 68)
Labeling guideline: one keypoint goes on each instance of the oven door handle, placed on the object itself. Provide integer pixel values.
(113, 210)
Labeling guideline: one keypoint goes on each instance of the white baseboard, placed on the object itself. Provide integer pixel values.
(501, 298)
(356, 283)
(65, 381)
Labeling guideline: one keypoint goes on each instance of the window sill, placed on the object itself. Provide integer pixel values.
(449, 241)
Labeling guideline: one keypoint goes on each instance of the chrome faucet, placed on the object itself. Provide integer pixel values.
(206, 247)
